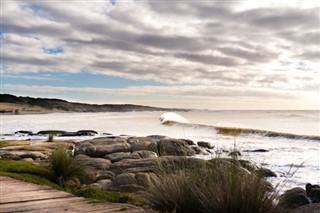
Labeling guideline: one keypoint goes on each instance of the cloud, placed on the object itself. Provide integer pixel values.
(199, 43)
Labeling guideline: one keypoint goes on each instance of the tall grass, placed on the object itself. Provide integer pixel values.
(220, 186)
(63, 166)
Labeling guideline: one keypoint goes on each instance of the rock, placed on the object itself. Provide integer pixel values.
(51, 132)
(293, 198)
(310, 208)
(105, 175)
(145, 179)
(200, 150)
(146, 154)
(86, 133)
(95, 163)
(134, 165)
(100, 147)
(267, 172)
(104, 184)
(205, 144)
(114, 157)
(142, 143)
(124, 179)
(157, 137)
(23, 132)
(27, 159)
(313, 192)
(190, 142)
(33, 155)
(234, 153)
(260, 150)
(174, 147)
(17, 155)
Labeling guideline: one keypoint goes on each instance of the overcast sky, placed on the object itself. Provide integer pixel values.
(190, 54)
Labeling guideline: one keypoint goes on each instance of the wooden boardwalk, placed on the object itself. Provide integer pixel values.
(19, 196)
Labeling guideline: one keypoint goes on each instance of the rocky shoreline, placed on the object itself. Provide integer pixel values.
(129, 164)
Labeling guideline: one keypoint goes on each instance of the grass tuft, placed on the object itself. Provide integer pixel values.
(214, 186)
(63, 166)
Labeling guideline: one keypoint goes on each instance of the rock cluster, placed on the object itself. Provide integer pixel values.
(299, 198)
(129, 164)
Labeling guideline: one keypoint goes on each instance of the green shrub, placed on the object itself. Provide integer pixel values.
(63, 166)
(214, 186)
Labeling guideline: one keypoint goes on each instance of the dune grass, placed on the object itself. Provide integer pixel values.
(215, 186)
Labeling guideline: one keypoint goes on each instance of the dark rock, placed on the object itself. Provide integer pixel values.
(205, 144)
(257, 150)
(190, 142)
(24, 132)
(293, 198)
(68, 134)
(235, 153)
(267, 172)
(310, 208)
(313, 192)
(200, 150)
(51, 132)
(86, 133)
(174, 147)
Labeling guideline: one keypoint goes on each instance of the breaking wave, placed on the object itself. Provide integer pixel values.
(171, 119)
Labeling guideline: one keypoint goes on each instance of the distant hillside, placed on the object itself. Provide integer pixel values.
(11, 103)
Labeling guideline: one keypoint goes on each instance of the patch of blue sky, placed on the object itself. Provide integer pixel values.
(81, 79)
(113, 2)
(53, 51)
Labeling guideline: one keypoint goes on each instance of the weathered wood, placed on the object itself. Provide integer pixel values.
(18, 196)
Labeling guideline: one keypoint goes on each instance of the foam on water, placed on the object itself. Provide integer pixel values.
(282, 152)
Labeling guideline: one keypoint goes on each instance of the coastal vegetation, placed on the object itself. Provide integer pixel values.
(154, 171)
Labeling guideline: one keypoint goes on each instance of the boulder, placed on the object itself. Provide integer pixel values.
(94, 163)
(145, 179)
(310, 208)
(267, 172)
(134, 165)
(86, 133)
(174, 147)
(200, 150)
(293, 198)
(105, 175)
(313, 192)
(114, 157)
(33, 155)
(100, 147)
(124, 179)
(205, 144)
(142, 143)
(158, 137)
(146, 154)
(104, 184)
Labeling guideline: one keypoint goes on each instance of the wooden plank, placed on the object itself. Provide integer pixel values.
(39, 204)
(18, 196)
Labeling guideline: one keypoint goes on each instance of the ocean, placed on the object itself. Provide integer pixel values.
(291, 138)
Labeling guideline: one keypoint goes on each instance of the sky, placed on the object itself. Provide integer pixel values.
(218, 55)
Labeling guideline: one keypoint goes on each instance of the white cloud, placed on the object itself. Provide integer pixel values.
(202, 43)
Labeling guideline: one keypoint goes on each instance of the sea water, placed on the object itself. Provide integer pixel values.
(295, 161)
